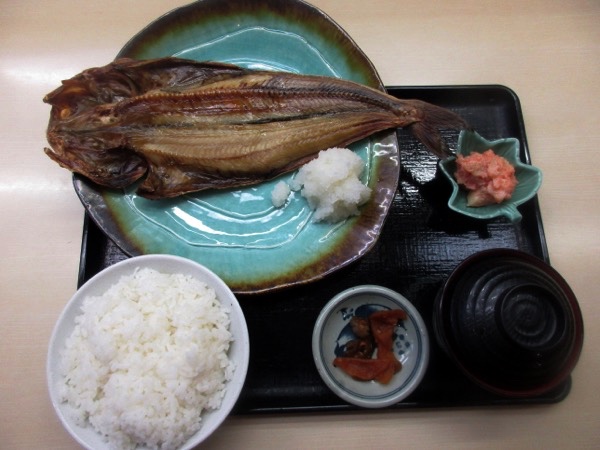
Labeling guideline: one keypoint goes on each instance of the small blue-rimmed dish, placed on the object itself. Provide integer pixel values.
(410, 345)
(529, 177)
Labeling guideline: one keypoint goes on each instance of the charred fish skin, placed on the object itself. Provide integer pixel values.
(188, 126)
(79, 133)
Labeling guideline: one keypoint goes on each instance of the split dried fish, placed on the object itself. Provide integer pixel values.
(183, 126)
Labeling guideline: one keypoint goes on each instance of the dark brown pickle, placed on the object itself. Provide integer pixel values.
(359, 348)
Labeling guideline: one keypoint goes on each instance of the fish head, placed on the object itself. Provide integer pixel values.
(95, 156)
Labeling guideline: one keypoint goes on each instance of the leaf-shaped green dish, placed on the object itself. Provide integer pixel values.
(529, 177)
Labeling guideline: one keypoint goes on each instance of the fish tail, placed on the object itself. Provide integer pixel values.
(432, 119)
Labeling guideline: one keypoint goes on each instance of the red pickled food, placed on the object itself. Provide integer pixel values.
(489, 178)
(383, 367)
(382, 325)
(366, 369)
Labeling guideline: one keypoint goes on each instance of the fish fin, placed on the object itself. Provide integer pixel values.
(167, 74)
(127, 78)
(432, 120)
(172, 181)
(113, 169)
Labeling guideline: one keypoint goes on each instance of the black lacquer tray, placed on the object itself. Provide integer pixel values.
(421, 242)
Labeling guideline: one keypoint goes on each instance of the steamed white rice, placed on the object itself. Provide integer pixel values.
(147, 358)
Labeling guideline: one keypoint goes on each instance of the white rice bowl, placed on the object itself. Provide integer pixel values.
(162, 396)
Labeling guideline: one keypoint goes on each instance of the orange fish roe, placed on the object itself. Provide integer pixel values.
(490, 178)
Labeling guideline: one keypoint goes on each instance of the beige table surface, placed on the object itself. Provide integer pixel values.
(547, 51)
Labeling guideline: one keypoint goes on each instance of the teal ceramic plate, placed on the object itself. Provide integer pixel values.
(529, 177)
(238, 234)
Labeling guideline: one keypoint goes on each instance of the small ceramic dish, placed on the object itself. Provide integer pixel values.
(529, 177)
(410, 343)
(509, 322)
(239, 350)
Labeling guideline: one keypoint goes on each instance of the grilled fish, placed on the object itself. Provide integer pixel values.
(183, 126)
